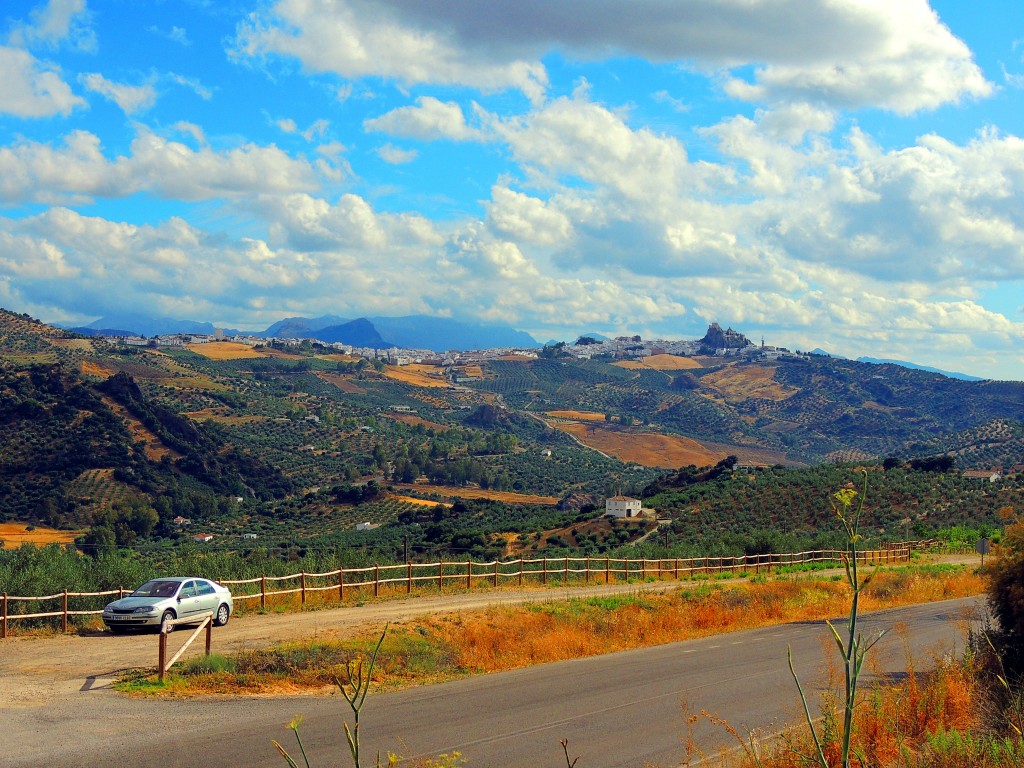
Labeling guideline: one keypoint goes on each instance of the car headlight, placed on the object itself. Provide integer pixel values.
(144, 609)
(108, 608)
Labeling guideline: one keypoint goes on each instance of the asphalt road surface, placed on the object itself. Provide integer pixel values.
(623, 709)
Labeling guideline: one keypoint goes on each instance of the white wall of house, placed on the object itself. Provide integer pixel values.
(622, 506)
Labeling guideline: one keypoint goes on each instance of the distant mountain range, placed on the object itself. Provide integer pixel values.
(914, 366)
(902, 364)
(410, 332)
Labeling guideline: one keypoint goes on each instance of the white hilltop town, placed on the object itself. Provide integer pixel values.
(716, 343)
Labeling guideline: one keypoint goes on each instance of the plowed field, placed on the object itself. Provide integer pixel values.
(225, 350)
(647, 448)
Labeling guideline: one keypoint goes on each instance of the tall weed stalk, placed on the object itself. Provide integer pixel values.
(848, 505)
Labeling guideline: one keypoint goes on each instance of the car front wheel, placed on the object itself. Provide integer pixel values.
(222, 616)
(165, 622)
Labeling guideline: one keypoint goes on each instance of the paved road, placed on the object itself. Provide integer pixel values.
(624, 709)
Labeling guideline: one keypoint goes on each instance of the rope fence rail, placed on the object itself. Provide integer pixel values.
(468, 574)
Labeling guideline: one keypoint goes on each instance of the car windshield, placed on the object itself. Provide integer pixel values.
(156, 589)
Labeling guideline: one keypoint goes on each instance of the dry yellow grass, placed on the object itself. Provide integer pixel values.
(225, 350)
(417, 375)
(13, 535)
(647, 448)
(90, 368)
(508, 637)
(577, 415)
(420, 502)
(671, 363)
(741, 382)
(661, 363)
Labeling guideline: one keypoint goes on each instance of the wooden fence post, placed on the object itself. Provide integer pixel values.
(676, 570)
(440, 576)
(565, 578)
(376, 580)
(64, 612)
(521, 568)
(3, 621)
(408, 581)
(341, 584)
(643, 569)
(469, 573)
(209, 636)
(162, 655)
(586, 572)
(495, 573)
(302, 587)
(607, 570)
(263, 591)
(544, 573)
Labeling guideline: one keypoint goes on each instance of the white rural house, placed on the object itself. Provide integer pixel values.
(622, 506)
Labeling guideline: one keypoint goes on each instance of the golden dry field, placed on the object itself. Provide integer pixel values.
(13, 535)
(90, 368)
(418, 375)
(420, 502)
(742, 382)
(225, 350)
(647, 448)
(478, 493)
(577, 415)
(661, 363)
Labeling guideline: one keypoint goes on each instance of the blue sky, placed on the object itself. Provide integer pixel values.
(842, 174)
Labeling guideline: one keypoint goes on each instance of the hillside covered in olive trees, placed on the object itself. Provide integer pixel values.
(295, 442)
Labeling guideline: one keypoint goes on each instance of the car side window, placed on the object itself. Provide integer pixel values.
(189, 590)
(205, 588)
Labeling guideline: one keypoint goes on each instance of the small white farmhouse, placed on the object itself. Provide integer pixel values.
(622, 506)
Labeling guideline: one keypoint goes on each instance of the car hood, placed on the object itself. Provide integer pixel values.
(135, 602)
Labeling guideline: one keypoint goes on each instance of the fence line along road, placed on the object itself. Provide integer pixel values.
(470, 574)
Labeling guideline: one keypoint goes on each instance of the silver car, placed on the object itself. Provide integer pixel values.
(159, 601)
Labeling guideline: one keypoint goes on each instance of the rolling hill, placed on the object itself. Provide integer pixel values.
(287, 439)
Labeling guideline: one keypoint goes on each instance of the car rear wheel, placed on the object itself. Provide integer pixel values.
(165, 622)
(222, 616)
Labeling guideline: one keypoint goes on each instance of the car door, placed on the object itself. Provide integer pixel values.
(207, 596)
(188, 600)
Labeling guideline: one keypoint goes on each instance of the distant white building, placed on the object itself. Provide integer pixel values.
(622, 506)
(367, 526)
